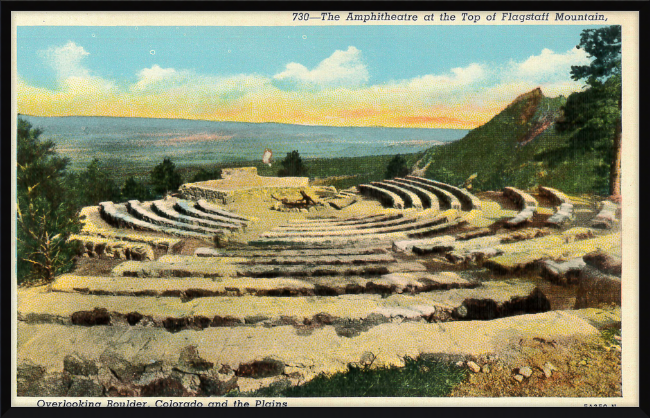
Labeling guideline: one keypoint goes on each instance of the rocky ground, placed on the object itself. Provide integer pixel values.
(471, 290)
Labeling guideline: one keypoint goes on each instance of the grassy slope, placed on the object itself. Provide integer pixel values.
(493, 152)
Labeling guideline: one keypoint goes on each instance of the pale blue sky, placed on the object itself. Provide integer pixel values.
(390, 52)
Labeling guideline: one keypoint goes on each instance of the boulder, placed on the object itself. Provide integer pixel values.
(596, 288)
(605, 262)
(562, 273)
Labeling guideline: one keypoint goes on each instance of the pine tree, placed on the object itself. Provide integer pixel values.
(596, 112)
(46, 209)
(397, 167)
(292, 165)
(165, 177)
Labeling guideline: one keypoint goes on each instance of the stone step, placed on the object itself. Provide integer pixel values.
(359, 259)
(117, 217)
(166, 210)
(208, 207)
(195, 287)
(386, 197)
(137, 209)
(411, 200)
(301, 253)
(290, 228)
(190, 266)
(422, 222)
(429, 199)
(186, 208)
(216, 360)
(490, 300)
(519, 257)
(447, 198)
(468, 201)
(350, 220)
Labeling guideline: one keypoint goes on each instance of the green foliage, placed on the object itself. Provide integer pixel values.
(46, 209)
(418, 378)
(292, 165)
(397, 167)
(132, 189)
(94, 185)
(604, 45)
(205, 175)
(165, 177)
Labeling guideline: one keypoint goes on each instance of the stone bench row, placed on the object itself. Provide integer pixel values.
(185, 208)
(371, 239)
(111, 214)
(488, 301)
(193, 287)
(290, 228)
(211, 252)
(411, 200)
(448, 199)
(166, 210)
(92, 228)
(190, 266)
(564, 206)
(467, 200)
(526, 203)
(407, 224)
(386, 197)
(208, 207)
(429, 200)
(135, 208)
(347, 222)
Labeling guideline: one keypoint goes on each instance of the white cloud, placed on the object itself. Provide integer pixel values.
(549, 64)
(459, 77)
(342, 68)
(67, 60)
(154, 75)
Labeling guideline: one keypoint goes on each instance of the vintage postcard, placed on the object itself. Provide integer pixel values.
(325, 208)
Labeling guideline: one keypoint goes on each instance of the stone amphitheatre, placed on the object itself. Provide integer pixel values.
(247, 281)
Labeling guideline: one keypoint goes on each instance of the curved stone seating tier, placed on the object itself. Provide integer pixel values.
(166, 210)
(467, 200)
(301, 253)
(521, 198)
(186, 209)
(195, 287)
(116, 217)
(606, 218)
(136, 209)
(386, 197)
(410, 226)
(428, 199)
(411, 200)
(209, 267)
(342, 221)
(444, 196)
(557, 197)
(205, 206)
(377, 224)
(526, 203)
(564, 211)
(65, 307)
